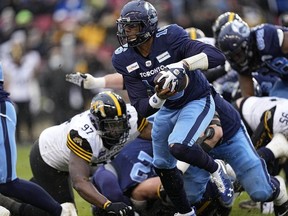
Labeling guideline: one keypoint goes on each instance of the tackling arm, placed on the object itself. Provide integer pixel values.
(79, 171)
(246, 85)
(87, 81)
(284, 46)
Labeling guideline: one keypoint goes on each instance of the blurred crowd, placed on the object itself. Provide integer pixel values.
(43, 40)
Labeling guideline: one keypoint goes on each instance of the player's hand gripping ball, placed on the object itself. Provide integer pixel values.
(173, 78)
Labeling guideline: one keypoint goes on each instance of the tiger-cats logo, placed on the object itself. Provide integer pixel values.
(98, 106)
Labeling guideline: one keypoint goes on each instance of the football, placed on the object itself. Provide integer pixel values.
(181, 81)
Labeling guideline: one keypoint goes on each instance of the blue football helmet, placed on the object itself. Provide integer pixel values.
(110, 118)
(233, 41)
(221, 21)
(137, 13)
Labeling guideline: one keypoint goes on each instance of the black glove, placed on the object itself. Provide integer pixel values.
(119, 209)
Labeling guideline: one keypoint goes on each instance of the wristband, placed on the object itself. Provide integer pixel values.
(106, 204)
(156, 102)
(199, 61)
(98, 83)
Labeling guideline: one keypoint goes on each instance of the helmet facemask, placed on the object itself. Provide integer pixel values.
(239, 56)
(113, 131)
(132, 40)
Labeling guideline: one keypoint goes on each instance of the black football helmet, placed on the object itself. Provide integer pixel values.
(110, 115)
(195, 33)
(221, 21)
(137, 12)
(233, 41)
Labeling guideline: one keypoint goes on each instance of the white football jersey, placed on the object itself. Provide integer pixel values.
(254, 107)
(87, 144)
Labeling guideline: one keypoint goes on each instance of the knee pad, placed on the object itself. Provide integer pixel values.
(260, 194)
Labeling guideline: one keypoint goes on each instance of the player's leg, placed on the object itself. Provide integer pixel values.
(55, 182)
(250, 169)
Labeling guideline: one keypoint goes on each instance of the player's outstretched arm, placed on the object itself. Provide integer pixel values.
(87, 81)
(79, 170)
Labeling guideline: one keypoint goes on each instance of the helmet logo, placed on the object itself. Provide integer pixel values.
(240, 27)
(98, 106)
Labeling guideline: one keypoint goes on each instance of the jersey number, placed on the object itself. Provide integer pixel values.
(139, 171)
(87, 129)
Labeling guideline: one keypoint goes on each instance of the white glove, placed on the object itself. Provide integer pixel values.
(68, 209)
(86, 81)
(172, 73)
(4, 211)
(170, 79)
(227, 66)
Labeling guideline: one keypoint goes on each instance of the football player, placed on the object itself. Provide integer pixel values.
(130, 177)
(147, 50)
(262, 49)
(90, 138)
(265, 119)
(10, 184)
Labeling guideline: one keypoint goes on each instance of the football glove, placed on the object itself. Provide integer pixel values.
(172, 74)
(86, 81)
(68, 209)
(119, 209)
(4, 211)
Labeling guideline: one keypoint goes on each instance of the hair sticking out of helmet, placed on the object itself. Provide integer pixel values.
(195, 33)
(111, 120)
(139, 15)
(221, 21)
(233, 41)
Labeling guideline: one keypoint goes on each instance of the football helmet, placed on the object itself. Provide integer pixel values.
(110, 115)
(233, 41)
(137, 13)
(283, 19)
(221, 21)
(195, 33)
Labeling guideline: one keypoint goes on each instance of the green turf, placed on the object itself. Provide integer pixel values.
(24, 171)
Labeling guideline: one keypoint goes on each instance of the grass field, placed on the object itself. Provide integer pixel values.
(24, 171)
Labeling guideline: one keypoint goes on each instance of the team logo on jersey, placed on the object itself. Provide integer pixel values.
(162, 57)
(132, 67)
(78, 140)
(148, 63)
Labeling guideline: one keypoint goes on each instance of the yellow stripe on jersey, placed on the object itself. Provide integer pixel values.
(203, 207)
(267, 116)
(117, 104)
(85, 155)
(231, 17)
(142, 124)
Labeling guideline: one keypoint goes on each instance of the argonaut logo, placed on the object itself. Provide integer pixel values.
(152, 72)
